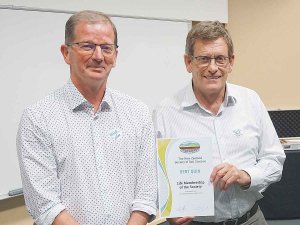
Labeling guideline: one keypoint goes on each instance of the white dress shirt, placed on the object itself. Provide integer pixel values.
(98, 167)
(242, 134)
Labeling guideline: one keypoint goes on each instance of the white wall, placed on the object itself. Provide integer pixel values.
(197, 10)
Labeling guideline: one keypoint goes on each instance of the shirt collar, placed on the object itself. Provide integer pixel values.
(107, 102)
(76, 99)
(190, 99)
(230, 96)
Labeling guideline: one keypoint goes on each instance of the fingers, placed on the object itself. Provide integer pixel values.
(234, 175)
(215, 175)
(180, 220)
(226, 174)
(218, 173)
(231, 176)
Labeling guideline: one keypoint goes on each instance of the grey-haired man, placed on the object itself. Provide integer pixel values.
(247, 154)
(87, 152)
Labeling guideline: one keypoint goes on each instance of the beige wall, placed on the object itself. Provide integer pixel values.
(13, 212)
(266, 35)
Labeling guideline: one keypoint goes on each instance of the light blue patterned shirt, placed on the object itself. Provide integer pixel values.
(242, 134)
(98, 167)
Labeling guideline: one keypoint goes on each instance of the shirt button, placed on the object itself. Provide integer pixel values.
(96, 117)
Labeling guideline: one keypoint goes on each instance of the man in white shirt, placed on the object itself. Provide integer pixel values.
(247, 154)
(87, 152)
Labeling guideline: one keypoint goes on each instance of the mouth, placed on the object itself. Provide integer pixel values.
(97, 69)
(212, 77)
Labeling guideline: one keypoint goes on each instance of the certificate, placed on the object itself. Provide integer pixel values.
(184, 168)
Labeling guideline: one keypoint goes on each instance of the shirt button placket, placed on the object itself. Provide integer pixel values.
(218, 137)
(94, 129)
(97, 144)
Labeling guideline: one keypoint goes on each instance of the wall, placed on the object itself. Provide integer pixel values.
(13, 212)
(266, 36)
(179, 9)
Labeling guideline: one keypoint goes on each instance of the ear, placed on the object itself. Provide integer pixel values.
(188, 62)
(115, 60)
(231, 62)
(66, 54)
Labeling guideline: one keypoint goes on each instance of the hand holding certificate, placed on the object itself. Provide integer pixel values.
(184, 168)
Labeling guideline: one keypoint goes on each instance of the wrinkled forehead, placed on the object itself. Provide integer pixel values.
(211, 46)
(97, 28)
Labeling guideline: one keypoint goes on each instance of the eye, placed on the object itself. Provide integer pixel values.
(203, 58)
(87, 46)
(221, 59)
(107, 48)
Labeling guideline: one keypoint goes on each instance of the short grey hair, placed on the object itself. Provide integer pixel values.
(90, 17)
(208, 30)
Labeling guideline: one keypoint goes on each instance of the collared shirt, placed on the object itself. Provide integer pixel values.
(99, 167)
(242, 134)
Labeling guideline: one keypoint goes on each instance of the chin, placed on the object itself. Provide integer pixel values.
(217, 84)
(97, 75)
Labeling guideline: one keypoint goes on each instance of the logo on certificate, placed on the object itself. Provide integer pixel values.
(189, 147)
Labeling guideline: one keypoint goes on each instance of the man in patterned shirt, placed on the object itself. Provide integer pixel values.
(247, 154)
(87, 152)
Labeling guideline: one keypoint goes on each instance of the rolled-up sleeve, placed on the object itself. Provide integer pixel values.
(146, 185)
(38, 168)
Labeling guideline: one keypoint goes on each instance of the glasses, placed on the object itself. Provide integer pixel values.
(89, 48)
(221, 61)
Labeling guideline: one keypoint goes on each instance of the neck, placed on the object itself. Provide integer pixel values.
(92, 93)
(210, 101)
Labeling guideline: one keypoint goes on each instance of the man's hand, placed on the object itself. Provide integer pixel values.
(180, 220)
(138, 218)
(228, 174)
(64, 218)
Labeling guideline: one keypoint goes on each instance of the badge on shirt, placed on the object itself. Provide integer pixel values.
(237, 132)
(115, 133)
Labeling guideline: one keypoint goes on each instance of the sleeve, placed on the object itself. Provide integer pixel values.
(157, 124)
(270, 156)
(146, 184)
(38, 169)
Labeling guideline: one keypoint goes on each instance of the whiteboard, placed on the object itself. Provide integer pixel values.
(196, 10)
(149, 67)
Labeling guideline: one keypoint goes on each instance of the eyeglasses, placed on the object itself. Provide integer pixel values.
(221, 61)
(89, 48)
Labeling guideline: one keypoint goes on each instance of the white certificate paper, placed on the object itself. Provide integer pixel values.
(184, 168)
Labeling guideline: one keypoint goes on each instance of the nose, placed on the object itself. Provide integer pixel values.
(212, 66)
(97, 55)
